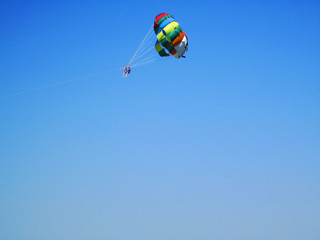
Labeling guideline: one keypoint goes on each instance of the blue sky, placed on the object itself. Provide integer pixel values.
(224, 144)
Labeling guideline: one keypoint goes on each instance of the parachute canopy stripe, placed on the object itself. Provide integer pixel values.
(164, 19)
(158, 47)
(161, 15)
(170, 48)
(169, 28)
(178, 39)
(165, 23)
(173, 52)
(160, 50)
(159, 20)
(172, 36)
(163, 53)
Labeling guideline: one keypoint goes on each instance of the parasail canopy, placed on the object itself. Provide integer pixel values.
(170, 36)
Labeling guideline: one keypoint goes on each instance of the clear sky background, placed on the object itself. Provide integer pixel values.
(224, 144)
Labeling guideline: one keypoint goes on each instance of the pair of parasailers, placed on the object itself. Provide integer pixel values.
(126, 71)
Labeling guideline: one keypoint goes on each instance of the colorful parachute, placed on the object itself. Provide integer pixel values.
(170, 36)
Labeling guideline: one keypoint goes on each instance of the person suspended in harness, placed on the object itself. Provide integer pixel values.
(126, 71)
